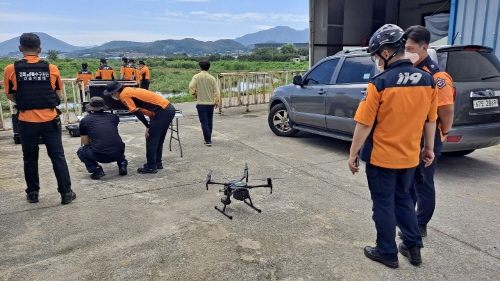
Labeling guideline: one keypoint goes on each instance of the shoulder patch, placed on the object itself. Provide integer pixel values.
(441, 83)
(365, 95)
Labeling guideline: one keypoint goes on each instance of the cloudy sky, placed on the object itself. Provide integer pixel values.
(94, 22)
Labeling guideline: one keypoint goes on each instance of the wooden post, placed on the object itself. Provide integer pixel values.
(247, 90)
(255, 88)
(66, 113)
(271, 85)
(263, 91)
(239, 90)
(220, 93)
(230, 90)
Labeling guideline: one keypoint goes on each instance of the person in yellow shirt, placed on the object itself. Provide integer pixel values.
(204, 87)
(35, 86)
(83, 76)
(144, 75)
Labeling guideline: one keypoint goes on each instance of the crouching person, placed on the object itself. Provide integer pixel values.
(100, 139)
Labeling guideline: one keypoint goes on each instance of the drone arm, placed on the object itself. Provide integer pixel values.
(269, 184)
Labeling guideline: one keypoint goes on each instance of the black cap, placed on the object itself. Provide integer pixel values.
(84, 65)
(142, 62)
(131, 60)
(112, 87)
(124, 59)
(103, 60)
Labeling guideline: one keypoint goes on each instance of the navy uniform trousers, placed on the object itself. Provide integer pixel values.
(424, 195)
(50, 131)
(392, 205)
(158, 127)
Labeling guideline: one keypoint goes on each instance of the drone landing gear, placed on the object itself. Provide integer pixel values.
(240, 194)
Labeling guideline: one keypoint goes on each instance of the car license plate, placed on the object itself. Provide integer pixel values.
(486, 103)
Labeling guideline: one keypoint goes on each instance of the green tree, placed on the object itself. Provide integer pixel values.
(304, 51)
(288, 49)
(52, 54)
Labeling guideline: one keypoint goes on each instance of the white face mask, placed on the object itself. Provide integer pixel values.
(380, 67)
(412, 56)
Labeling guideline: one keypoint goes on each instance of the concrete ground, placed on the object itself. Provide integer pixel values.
(164, 226)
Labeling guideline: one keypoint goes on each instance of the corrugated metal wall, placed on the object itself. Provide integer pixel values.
(475, 22)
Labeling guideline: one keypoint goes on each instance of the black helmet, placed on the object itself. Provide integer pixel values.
(389, 34)
(84, 65)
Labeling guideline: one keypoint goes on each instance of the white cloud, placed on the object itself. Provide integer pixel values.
(253, 17)
(173, 13)
(206, 1)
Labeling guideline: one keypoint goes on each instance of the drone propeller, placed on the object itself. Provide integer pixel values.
(245, 173)
(265, 179)
(209, 179)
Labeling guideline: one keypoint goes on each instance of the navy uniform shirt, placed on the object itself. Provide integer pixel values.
(102, 129)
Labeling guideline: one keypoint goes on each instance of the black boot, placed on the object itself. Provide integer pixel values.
(122, 169)
(147, 170)
(413, 253)
(32, 197)
(67, 198)
(98, 173)
(373, 254)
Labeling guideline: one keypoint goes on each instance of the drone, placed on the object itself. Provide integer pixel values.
(239, 189)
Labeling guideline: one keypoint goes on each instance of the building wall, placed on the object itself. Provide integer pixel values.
(476, 22)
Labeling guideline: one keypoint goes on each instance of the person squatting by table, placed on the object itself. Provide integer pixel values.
(100, 138)
(160, 112)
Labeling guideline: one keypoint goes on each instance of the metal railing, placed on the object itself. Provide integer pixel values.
(70, 89)
(247, 88)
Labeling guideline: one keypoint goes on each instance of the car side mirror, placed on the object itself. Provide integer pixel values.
(297, 80)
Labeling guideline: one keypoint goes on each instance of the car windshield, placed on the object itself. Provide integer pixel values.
(473, 66)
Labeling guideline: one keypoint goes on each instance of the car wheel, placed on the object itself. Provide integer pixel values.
(279, 121)
(458, 153)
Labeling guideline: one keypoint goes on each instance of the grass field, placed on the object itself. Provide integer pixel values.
(167, 76)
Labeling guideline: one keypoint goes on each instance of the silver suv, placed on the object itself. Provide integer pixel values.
(325, 100)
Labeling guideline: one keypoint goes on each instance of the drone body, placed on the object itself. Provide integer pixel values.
(239, 189)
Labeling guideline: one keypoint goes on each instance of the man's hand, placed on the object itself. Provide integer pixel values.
(352, 164)
(146, 134)
(427, 156)
(215, 105)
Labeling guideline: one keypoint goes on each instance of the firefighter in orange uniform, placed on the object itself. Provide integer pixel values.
(84, 76)
(144, 75)
(126, 72)
(137, 72)
(35, 86)
(399, 104)
(105, 72)
(424, 193)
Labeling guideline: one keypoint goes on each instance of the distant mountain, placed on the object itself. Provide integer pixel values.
(161, 48)
(281, 34)
(48, 43)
